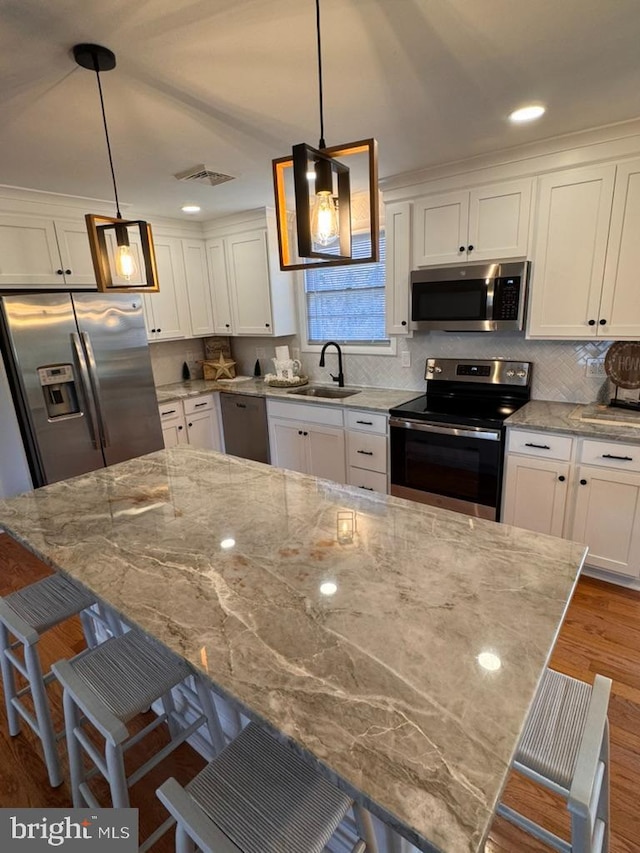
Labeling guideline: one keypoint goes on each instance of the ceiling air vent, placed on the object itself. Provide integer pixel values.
(201, 175)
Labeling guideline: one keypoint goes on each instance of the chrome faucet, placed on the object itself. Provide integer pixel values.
(340, 377)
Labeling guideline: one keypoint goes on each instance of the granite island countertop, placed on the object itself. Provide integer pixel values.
(374, 399)
(381, 682)
(590, 420)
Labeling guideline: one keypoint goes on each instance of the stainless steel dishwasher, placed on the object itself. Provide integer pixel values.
(244, 422)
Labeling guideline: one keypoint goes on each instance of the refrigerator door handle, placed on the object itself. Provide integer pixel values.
(95, 387)
(86, 385)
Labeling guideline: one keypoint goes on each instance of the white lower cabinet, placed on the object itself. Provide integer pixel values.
(589, 493)
(535, 494)
(607, 518)
(367, 450)
(307, 438)
(194, 421)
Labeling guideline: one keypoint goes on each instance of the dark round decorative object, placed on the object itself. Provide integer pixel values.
(94, 57)
(622, 364)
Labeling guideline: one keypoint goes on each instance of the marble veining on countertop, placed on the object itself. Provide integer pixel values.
(375, 399)
(586, 421)
(380, 682)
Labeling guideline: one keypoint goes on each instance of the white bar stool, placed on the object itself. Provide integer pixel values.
(565, 748)
(111, 685)
(258, 796)
(25, 615)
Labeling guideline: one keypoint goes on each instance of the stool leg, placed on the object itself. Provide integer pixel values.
(88, 629)
(208, 709)
(43, 715)
(9, 682)
(76, 767)
(169, 707)
(117, 776)
(184, 844)
(602, 811)
(365, 828)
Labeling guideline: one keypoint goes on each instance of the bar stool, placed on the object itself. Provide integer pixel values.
(110, 686)
(258, 796)
(565, 748)
(26, 615)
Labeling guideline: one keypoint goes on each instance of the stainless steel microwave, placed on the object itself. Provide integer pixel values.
(488, 297)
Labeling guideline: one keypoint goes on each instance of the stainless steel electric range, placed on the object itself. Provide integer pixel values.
(447, 445)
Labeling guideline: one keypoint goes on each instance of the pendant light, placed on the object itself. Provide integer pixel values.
(323, 195)
(121, 249)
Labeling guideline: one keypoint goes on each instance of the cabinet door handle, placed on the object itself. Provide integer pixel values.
(366, 423)
(470, 248)
(227, 326)
(592, 322)
(300, 432)
(199, 405)
(365, 452)
(621, 458)
(538, 446)
(241, 405)
(461, 249)
(169, 412)
(603, 322)
(562, 478)
(368, 488)
(158, 330)
(404, 323)
(179, 427)
(67, 272)
(583, 482)
(267, 325)
(305, 433)
(59, 272)
(190, 425)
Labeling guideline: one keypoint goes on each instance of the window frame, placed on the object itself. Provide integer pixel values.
(383, 349)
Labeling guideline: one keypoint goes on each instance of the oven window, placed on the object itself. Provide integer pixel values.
(456, 467)
(449, 300)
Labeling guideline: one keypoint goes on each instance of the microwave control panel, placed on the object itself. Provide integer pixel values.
(506, 298)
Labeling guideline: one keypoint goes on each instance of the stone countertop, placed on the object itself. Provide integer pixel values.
(380, 682)
(374, 399)
(585, 421)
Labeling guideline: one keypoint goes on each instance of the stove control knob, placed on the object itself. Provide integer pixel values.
(438, 370)
(521, 374)
(430, 369)
(511, 373)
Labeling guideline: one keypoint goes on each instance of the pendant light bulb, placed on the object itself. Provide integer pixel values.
(325, 222)
(124, 262)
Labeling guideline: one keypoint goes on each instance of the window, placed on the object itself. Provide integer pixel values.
(347, 304)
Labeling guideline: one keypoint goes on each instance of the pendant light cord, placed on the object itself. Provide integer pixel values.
(322, 143)
(106, 133)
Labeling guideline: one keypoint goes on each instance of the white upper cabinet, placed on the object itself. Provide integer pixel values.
(486, 223)
(619, 315)
(36, 251)
(397, 226)
(167, 311)
(248, 268)
(570, 245)
(198, 289)
(250, 294)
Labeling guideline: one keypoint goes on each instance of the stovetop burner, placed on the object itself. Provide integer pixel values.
(481, 393)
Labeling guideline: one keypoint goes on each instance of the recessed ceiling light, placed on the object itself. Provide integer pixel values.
(489, 661)
(328, 588)
(227, 543)
(190, 208)
(528, 113)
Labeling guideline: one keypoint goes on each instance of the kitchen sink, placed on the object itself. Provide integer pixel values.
(320, 391)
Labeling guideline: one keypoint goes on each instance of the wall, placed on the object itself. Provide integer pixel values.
(167, 358)
(559, 371)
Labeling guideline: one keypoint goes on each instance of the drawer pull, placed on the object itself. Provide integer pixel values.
(366, 423)
(169, 412)
(199, 405)
(538, 446)
(368, 488)
(583, 482)
(241, 405)
(621, 458)
(365, 452)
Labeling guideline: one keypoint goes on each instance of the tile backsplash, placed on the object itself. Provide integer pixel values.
(167, 358)
(559, 371)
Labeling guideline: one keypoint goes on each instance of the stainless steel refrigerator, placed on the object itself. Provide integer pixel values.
(80, 374)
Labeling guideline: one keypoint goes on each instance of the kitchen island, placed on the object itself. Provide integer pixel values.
(396, 645)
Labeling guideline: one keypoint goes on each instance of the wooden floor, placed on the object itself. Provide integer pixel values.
(601, 634)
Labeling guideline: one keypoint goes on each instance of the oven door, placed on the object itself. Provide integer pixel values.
(450, 466)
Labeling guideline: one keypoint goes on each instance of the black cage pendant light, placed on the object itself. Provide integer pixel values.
(322, 189)
(121, 249)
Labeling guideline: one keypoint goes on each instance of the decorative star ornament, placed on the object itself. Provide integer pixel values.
(224, 367)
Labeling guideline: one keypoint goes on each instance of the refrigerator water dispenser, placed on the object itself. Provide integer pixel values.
(59, 390)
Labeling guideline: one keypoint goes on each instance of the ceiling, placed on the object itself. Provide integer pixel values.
(233, 84)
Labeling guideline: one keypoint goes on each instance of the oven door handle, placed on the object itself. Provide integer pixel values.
(456, 430)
